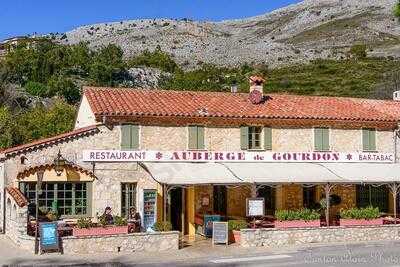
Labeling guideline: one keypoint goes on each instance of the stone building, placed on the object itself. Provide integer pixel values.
(118, 131)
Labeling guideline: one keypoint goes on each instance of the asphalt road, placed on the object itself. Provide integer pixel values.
(363, 254)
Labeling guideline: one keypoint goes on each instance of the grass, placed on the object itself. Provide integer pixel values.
(355, 78)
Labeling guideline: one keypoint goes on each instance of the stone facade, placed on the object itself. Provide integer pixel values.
(148, 242)
(301, 236)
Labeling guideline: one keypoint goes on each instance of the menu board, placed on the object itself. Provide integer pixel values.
(49, 240)
(220, 233)
(149, 208)
(255, 207)
(208, 223)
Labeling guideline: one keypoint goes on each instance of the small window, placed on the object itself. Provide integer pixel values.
(321, 139)
(368, 195)
(369, 139)
(196, 137)
(129, 137)
(128, 198)
(254, 137)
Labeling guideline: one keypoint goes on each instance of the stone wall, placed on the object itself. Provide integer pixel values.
(149, 242)
(298, 236)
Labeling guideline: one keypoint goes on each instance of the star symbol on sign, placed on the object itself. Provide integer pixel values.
(159, 155)
(349, 157)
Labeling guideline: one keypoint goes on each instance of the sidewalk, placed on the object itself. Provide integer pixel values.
(12, 255)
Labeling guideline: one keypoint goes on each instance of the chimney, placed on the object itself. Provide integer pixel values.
(396, 96)
(256, 94)
(234, 88)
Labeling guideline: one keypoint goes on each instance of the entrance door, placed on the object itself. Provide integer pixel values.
(176, 209)
(220, 199)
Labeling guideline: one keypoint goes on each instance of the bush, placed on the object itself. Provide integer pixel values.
(396, 10)
(36, 88)
(162, 226)
(292, 215)
(359, 51)
(156, 59)
(236, 225)
(360, 213)
(84, 223)
(120, 221)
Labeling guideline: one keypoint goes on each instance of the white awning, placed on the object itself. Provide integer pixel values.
(283, 172)
(190, 173)
(365, 172)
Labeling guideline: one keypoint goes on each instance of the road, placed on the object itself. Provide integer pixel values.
(363, 254)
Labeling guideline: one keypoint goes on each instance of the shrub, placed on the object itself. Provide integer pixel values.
(162, 226)
(120, 221)
(292, 215)
(237, 225)
(396, 10)
(36, 88)
(360, 213)
(84, 223)
(359, 51)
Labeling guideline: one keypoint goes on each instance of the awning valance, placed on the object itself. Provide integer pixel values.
(190, 173)
(272, 173)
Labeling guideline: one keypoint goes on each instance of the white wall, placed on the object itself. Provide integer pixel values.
(85, 115)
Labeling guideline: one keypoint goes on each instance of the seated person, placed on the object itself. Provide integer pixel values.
(108, 216)
(135, 219)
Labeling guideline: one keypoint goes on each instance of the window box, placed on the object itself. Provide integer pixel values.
(297, 224)
(360, 222)
(100, 231)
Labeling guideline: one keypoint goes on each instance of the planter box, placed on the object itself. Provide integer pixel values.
(297, 224)
(99, 231)
(360, 222)
(234, 236)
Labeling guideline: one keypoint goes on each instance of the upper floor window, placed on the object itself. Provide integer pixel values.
(129, 136)
(252, 137)
(369, 139)
(321, 139)
(196, 137)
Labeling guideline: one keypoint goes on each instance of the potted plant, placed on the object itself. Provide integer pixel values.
(234, 227)
(297, 218)
(162, 227)
(360, 216)
(85, 227)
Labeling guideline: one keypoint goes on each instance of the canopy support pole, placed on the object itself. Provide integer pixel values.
(394, 189)
(165, 196)
(328, 188)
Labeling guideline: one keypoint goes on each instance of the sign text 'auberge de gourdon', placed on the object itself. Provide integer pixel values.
(232, 156)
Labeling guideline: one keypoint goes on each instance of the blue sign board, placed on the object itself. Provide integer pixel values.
(208, 223)
(48, 236)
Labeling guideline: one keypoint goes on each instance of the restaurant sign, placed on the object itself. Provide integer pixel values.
(232, 156)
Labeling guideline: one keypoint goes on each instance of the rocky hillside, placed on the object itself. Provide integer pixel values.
(297, 33)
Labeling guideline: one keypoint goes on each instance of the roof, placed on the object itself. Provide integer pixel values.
(51, 140)
(163, 103)
(17, 195)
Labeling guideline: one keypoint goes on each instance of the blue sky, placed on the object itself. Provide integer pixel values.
(19, 17)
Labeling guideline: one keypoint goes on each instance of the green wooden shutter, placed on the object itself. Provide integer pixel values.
(267, 138)
(365, 139)
(200, 137)
(192, 137)
(134, 136)
(372, 140)
(318, 139)
(244, 137)
(125, 136)
(325, 139)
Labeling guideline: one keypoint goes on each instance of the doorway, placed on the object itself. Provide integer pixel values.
(176, 209)
(220, 199)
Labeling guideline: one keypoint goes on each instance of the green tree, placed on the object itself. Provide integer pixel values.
(64, 87)
(6, 128)
(396, 10)
(36, 89)
(156, 59)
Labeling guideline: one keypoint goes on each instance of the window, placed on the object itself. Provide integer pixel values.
(128, 197)
(321, 139)
(251, 137)
(368, 195)
(309, 197)
(129, 136)
(268, 193)
(67, 198)
(368, 139)
(196, 137)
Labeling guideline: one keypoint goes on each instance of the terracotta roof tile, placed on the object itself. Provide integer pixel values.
(50, 140)
(141, 102)
(17, 195)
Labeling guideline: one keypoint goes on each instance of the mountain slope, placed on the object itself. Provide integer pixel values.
(297, 33)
